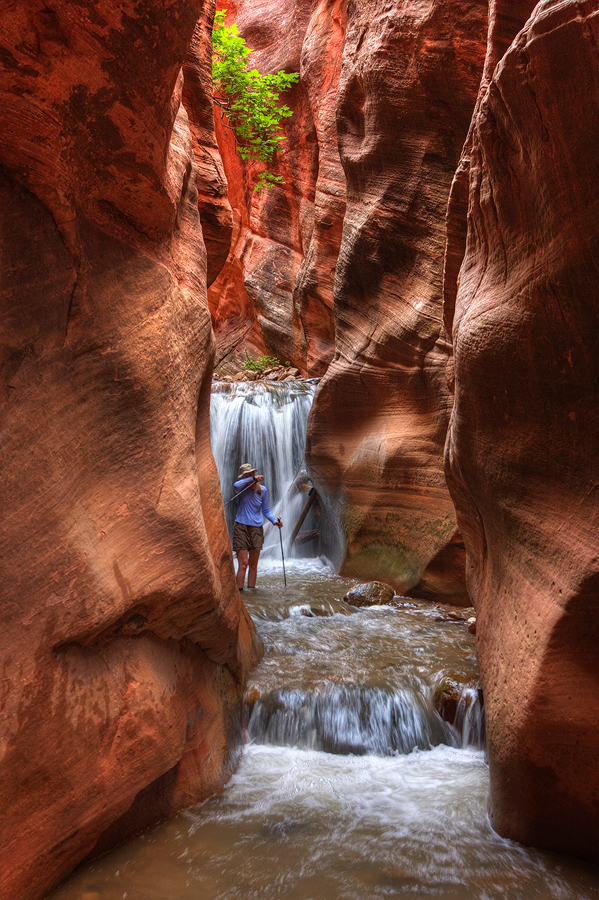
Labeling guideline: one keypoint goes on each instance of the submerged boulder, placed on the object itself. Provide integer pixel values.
(373, 593)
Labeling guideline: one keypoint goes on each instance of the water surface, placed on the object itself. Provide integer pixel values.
(297, 823)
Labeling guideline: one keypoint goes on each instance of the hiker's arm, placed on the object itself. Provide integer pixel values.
(243, 482)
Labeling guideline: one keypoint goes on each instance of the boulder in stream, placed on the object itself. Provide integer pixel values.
(373, 593)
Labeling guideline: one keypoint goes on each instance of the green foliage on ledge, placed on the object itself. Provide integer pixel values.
(248, 99)
(261, 364)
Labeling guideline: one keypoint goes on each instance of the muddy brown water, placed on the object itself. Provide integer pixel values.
(351, 787)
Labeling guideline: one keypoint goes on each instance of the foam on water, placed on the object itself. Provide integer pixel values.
(303, 825)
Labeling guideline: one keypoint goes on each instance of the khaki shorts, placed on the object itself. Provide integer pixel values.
(248, 537)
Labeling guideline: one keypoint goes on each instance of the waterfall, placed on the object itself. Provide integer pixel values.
(359, 719)
(349, 719)
(265, 425)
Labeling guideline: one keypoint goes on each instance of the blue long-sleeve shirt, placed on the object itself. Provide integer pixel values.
(253, 505)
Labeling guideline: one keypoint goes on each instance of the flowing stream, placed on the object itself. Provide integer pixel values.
(351, 785)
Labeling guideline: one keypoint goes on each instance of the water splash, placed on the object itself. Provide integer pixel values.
(469, 722)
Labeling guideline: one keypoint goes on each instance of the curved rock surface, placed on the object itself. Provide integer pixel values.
(276, 289)
(216, 215)
(123, 640)
(408, 87)
(522, 447)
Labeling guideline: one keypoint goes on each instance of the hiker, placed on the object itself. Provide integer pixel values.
(248, 532)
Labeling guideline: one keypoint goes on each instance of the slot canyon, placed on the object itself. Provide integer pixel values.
(428, 272)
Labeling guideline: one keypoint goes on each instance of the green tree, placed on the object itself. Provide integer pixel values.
(248, 99)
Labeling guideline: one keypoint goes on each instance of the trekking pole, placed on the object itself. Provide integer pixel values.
(238, 495)
(282, 556)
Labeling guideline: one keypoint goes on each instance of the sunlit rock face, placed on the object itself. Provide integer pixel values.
(276, 289)
(522, 446)
(407, 90)
(216, 216)
(123, 641)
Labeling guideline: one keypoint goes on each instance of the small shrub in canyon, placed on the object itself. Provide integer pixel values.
(247, 99)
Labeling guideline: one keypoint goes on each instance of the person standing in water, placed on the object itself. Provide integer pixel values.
(248, 531)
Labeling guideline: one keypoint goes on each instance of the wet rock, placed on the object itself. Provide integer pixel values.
(446, 699)
(451, 617)
(373, 593)
(452, 698)
(251, 376)
(472, 624)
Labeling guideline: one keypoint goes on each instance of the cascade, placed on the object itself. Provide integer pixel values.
(352, 785)
(265, 425)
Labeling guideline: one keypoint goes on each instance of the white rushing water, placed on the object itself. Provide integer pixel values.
(302, 824)
(358, 681)
(264, 425)
(351, 786)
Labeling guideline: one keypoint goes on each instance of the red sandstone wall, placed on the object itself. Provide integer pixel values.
(408, 86)
(216, 216)
(123, 643)
(276, 289)
(523, 441)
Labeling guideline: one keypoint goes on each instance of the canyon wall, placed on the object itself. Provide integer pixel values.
(346, 260)
(408, 87)
(123, 640)
(276, 288)
(522, 457)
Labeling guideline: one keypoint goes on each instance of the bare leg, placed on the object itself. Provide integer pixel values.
(242, 564)
(254, 556)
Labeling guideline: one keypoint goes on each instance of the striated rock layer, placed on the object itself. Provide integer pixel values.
(522, 447)
(216, 215)
(276, 289)
(376, 434)
(123, 640)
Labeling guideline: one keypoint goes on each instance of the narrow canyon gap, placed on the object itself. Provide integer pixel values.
(446, 212)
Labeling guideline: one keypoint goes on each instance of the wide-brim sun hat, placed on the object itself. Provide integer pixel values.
(246, 469)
